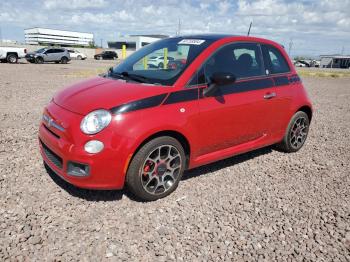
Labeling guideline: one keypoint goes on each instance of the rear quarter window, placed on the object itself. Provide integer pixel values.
(274, 60)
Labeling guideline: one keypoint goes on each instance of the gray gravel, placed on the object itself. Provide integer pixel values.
(263, 205)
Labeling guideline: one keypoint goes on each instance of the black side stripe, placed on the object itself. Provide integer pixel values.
(294, 79)
(139, 104)
(251, 85)
(182, 96)
(192, 94)
(281, 80)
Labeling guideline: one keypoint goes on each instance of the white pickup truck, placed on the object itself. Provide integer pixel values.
(11, 54)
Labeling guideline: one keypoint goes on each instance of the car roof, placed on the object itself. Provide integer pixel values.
(213, 37)
(217, 37)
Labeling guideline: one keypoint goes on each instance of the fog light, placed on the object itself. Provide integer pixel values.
(78, 169)
(93, 146)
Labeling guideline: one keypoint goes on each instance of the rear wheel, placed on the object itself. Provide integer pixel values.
(296, 134)
(12, 58)
(160, 65)
(156, 169)
(64, 60)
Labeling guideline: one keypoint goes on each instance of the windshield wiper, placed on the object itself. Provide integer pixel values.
(126, 76)
(138, 78)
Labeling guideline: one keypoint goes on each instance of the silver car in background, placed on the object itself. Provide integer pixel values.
(57, 55)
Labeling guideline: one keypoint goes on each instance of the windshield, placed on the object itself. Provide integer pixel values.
(41, 50)
(161, 62)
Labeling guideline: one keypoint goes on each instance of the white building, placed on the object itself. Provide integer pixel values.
(134, 42)
(335, 61)
(37, 35)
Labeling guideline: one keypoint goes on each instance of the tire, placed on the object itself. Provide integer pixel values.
(12, 58)
(64, 60)
(79, 57)
(160, 65)
(156, 169)
(39, 60)
(100, 58)
(296, 133)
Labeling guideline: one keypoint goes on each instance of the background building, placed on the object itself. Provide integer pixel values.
(44, 36)
(335, 61)
(134, 42)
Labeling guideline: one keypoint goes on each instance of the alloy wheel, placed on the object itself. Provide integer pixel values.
(298, 132)
(161, 169)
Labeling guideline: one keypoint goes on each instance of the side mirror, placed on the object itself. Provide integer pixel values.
(218, 79)
(222, 78)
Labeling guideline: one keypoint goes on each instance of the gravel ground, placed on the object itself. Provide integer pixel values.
(263, 205)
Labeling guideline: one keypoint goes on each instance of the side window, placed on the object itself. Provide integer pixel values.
(55, 51)
(240, 59)
(274, 60)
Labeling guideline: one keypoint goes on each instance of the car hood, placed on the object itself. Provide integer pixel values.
(103, 93)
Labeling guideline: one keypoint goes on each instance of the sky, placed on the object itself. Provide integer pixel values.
(305, 27)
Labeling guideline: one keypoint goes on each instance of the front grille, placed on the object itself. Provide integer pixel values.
(54, 158)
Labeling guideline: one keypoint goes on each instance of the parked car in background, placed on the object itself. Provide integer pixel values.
(75, 54)
(142, 128)
(301, 63)
(315, 63)
(12, 54)
(177, 64)
(57, 55)
(158, 61)
(106, 55)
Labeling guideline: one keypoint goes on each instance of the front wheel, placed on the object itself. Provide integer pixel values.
(296, 134)
(156, 169)
(39, 60)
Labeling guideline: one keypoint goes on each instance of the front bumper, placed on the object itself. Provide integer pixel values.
(61, 147)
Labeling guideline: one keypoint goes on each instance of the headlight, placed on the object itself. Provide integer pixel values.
(95, 121)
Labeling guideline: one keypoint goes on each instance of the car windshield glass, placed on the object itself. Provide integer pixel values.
(161, 62)
(41, 50)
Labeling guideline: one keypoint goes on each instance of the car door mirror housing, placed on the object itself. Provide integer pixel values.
(218, 79)
(222, 78)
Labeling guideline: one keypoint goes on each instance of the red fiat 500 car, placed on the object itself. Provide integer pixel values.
(142, 127)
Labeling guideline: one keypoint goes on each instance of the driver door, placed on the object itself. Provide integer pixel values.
(238, 112)
(49, 55)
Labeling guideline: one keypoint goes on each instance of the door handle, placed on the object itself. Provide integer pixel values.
(269, 95)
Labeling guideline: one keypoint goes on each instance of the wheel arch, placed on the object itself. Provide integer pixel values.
(12, 53)
(172, 133)
(307, 110)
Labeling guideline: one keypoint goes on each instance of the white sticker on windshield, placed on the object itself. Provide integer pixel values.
(192, 41)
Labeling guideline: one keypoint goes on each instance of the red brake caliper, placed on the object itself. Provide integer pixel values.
(146, 168)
